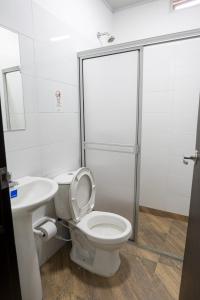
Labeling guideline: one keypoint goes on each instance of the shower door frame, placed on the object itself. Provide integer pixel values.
(136, 152)
(139, 46)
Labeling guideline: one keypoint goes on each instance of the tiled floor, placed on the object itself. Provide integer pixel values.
(162, 233)
(143, 275)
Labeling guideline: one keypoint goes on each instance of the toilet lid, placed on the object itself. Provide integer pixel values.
(82, 194)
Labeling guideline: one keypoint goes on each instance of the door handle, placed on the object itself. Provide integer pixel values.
(194, 157)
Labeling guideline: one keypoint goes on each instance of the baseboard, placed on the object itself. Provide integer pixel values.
(162, 213)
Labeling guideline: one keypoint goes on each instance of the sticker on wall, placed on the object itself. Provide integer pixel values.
(58, 101)
(13, 193)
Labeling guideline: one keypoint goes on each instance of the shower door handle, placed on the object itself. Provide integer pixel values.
(194, 157)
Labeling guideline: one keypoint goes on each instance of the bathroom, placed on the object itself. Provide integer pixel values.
(98, 153)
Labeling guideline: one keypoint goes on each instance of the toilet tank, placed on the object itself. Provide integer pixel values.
(61, 199)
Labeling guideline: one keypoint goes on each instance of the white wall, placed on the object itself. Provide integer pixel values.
(50, 143)
(152, 19)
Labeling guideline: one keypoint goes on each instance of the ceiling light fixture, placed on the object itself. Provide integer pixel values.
(180, 4)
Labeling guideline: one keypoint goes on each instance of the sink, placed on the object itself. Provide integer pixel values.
(30, 194)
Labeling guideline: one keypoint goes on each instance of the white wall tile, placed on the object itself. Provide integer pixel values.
(59, 158)
(47, 24)
(158, 101)
(27, 54)
(57, 128)
(56, 61)
(59, 135)
(17, 15)
(16, 140)
(29, 93)
(24, 162)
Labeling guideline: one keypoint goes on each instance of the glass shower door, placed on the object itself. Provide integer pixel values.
(171, 87)
(110, 116)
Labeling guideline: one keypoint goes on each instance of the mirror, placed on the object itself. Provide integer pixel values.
(11, 90)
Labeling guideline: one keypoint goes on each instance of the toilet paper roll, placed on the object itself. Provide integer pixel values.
(49, 230)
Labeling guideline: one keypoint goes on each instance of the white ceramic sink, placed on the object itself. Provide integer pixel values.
(32, 192)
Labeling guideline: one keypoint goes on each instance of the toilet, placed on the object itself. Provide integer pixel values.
(96, 236)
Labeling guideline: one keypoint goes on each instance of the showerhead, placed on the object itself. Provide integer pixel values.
(109, 38)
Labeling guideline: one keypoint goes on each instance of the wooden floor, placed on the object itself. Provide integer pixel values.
(143, 275)
(162, 233)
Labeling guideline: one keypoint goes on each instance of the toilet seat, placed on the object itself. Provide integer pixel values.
(100, 227)
(82, 194)
(105, 228)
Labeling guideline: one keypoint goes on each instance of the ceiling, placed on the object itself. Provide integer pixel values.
(119, 4)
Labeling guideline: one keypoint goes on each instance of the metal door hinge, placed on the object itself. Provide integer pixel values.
(3, 179)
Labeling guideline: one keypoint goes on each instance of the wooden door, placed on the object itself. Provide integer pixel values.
(190, 284)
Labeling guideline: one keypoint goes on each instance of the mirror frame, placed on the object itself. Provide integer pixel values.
(5, 91)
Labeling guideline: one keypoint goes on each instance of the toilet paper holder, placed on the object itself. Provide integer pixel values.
(42, 221)
(39, 223)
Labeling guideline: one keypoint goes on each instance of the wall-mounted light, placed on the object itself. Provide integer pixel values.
(60, 38)
(180, 4)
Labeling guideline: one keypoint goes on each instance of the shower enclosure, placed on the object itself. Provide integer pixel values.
(139, 104)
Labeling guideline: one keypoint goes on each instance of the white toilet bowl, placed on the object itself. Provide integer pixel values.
(105, 228)
(96, 236)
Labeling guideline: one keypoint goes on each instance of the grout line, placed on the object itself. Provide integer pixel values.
(23, 149)
(55, 80)
(58, 112)
(39, 146)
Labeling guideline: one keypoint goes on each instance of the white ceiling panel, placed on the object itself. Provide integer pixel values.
(119, 4)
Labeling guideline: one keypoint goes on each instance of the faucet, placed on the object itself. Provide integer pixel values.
(11, 182)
